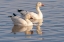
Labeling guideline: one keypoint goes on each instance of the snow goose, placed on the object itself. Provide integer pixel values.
(33, 16)
(18, 21)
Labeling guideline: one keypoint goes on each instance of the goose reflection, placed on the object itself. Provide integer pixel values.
(38, 26)
(18, 28)
(38, 23)
(39, 30)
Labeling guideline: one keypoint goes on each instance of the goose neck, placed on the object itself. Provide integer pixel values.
(38, 10)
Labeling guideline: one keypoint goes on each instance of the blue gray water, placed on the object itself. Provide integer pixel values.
(52, 28)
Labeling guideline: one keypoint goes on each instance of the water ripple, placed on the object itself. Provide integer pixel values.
(52, 28)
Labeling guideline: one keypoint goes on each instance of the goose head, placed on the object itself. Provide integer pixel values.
(27, 16)
(39, 4)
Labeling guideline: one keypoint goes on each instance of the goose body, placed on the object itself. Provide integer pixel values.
(19, 21)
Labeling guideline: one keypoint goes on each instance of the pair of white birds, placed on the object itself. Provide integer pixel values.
(27, 16)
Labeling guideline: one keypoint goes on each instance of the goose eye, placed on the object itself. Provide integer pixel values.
(39, 3)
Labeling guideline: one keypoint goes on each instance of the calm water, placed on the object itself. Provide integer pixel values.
(52, 28)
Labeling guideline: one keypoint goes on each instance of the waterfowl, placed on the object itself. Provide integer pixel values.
(33, 15)
(18, 21)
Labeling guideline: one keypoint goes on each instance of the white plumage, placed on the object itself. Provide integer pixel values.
(19, 21)
(33, 15)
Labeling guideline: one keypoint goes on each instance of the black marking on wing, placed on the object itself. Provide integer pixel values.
(14, 14)
(20, 10)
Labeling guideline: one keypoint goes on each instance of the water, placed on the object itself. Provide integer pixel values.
(52, 28)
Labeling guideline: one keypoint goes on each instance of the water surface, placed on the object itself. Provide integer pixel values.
(52, 28)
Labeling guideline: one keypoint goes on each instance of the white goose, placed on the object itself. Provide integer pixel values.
(18, 21)
(33, 15)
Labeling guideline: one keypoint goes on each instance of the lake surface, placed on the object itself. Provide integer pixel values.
(52, 28)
